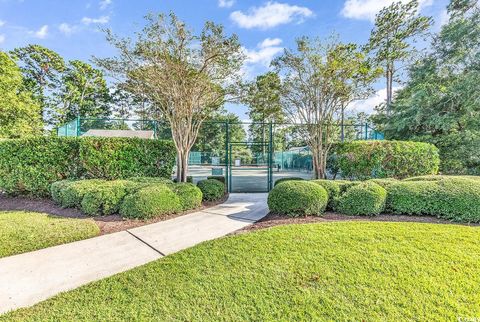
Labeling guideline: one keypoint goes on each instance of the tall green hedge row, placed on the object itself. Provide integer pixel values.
(29, 166)
(360, 160)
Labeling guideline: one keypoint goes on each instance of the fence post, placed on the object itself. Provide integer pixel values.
(78, 126)
(227, 142)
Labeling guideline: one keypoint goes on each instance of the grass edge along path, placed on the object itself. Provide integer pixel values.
(327, 271)
(22, 231)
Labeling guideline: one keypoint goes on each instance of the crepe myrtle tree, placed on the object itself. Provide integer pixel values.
(186, 77)
(320, 79)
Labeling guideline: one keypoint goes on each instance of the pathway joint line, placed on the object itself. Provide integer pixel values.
(144, 242)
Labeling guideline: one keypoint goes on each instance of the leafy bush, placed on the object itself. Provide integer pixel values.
(72, 194)
(385, 159)
(366, 198)
(440, 177)
(29, 166)
(56, 190)
(297, 198)
(334, 188)
(384, 182)
(104, 198)
(189, 195)
(150, 202)
(212, 189)
(219, 178)
(450, 198)
(287, 179)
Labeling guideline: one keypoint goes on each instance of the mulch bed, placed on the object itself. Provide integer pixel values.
(272, 220)
(107, 224)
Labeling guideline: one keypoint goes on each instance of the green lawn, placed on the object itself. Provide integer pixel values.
(22, 232)
(328, 271)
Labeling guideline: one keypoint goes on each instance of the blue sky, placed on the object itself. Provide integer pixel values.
(72, 27)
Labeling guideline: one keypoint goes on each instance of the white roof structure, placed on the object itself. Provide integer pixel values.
(121, 134)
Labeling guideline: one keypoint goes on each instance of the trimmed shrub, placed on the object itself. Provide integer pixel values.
(30, 166)
(150, 202)
(56, 190)
(219, 178)
(384, 182)
(440, 177)
(298, 198)
(104, 198)
(361, 160)
(334, 188)
(189, 195)
(453, 198)
(212, 189)
(72, 194)
(366, 198)
(287, 179)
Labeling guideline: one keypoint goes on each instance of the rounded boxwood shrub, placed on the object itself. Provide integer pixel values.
(298, 198)
(287, 179)
(450, 198)
(212, 189)
(56, 190)
(366, 198)
(334, 188)
(150, 202)
(189, 195)
(72, 194)
(384, 182)
(104, 198)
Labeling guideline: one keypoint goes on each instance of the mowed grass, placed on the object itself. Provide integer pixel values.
(348, 271)
(22, 232)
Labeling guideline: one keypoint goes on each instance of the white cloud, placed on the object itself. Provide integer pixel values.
(269, 42)
(104, 4)
(226, 3)
(100, 20)
(367, 9)
(265, 52)
(41, 33)
(67, 29)
(259, 58)
(368, 105)
(2, 23)
(270, 15)
(2, 39)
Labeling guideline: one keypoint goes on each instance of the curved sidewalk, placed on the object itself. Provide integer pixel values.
(29, 278)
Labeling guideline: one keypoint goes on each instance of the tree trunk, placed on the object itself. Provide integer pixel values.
(182, 165)
(389, 76)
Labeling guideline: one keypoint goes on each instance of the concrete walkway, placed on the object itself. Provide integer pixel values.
(29, 278)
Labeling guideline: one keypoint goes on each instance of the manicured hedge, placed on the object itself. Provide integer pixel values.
(366, 198)
(451, 198)
(287, 179)
(361, 160)
(104, 198)
(440, 177)
(212, 189)
(189, 195)
(72, 194)
(100, 197)
(298, 198)
(29, 166)
(150, 202)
